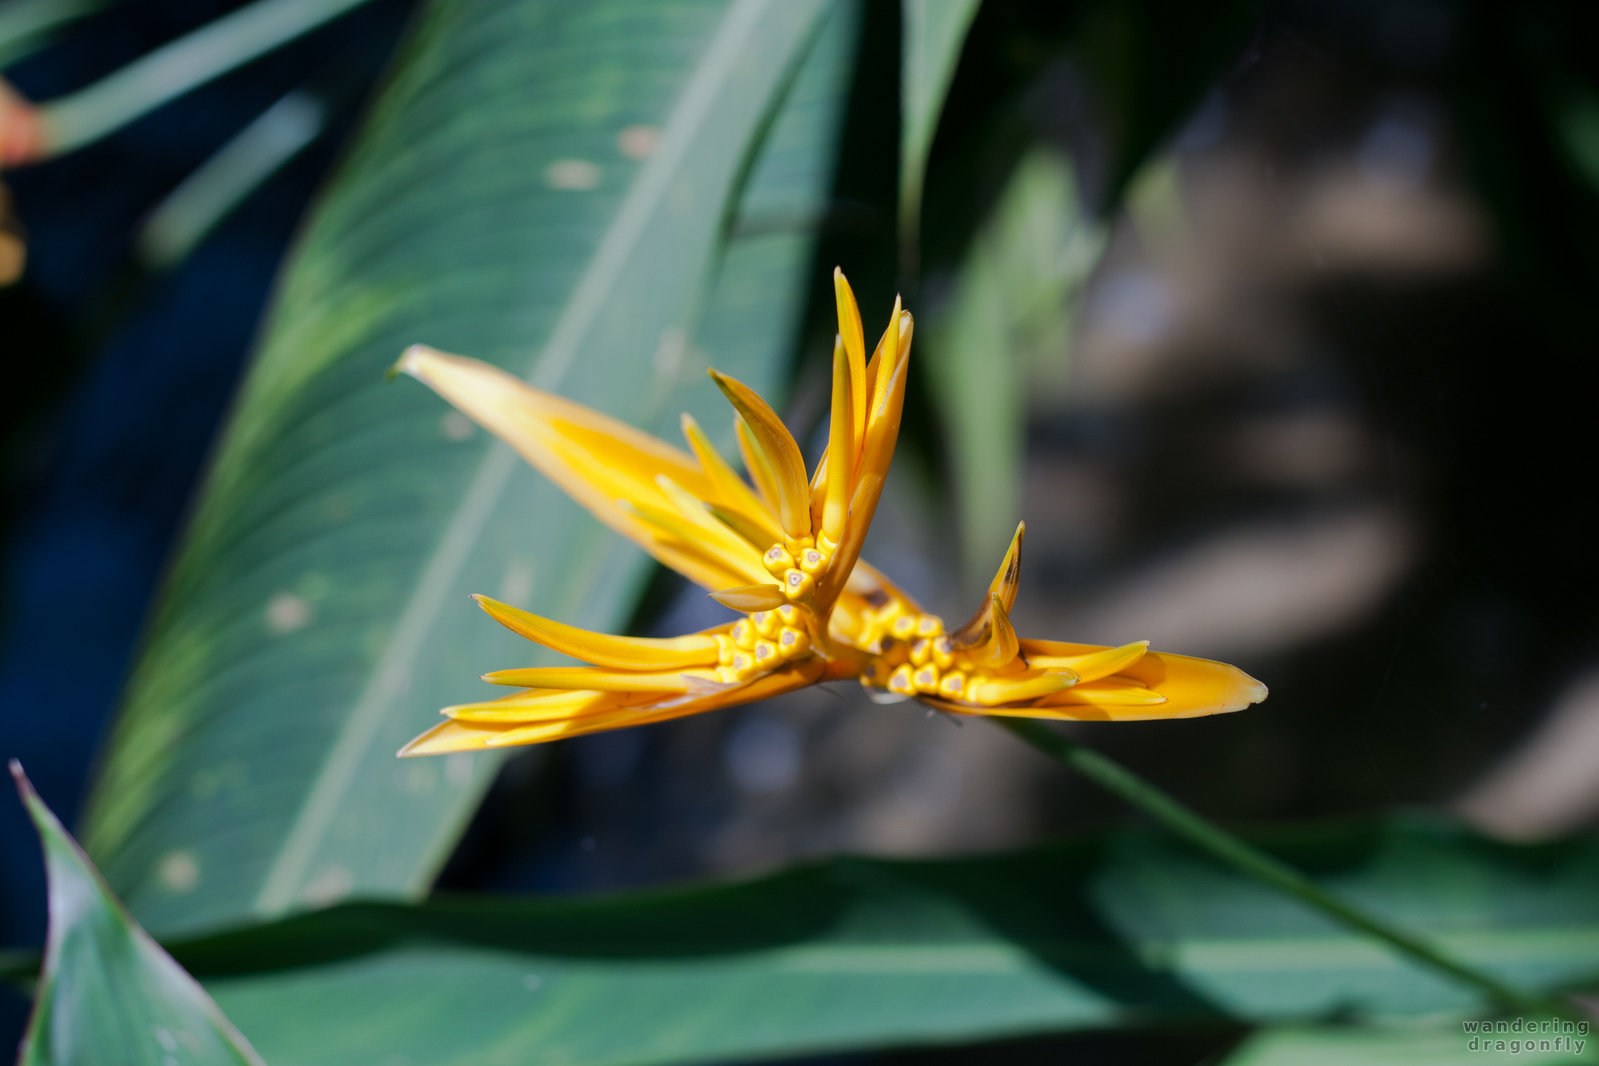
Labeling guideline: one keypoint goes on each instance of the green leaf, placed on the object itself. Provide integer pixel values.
(1010, 308)
(106, 985)
(933, 32)
(29, 25)
(1150, 65)
(1128, 929)
(1567, 1041)
(546, 186)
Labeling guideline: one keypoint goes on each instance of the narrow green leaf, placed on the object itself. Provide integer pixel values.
(1149, 66)
(933, 33)
(28, 25)
(108, 992)
(160, 76)
(1129, 929)
(191, 211)
(1009, 309)
(543, 186)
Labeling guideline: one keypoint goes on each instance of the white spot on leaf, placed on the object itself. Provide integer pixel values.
(286, 612)
(638, 142)
(179, 872)
(573, 174)
(328, 887)
(455, 426)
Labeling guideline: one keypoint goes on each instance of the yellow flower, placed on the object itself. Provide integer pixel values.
(785, 553)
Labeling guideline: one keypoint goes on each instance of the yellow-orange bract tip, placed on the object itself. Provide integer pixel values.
(410, 361)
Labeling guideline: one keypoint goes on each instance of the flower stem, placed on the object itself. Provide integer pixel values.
(1210, 837)
(231, 41)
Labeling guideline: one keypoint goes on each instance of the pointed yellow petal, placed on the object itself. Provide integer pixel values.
(1002, 644)
(451, 736)
(602, 649)
(980, 627)
(735, 550)
(753, 533)
(886, 358)
(510, 720)
(840, 448)
(871, 467)
(1192, 687)
(1195, 686)
(1009, 576)
(819, 491)
(854, 337)
(777, 452)
(712, 540)
(795, 675)
(576, 677)
(751, 598)
(594, 458)
(762, 472)
(522, 708)
(1096, 664)
(990, 692)
(610, 711)
(988, 637)
(730, 494)
(883, 418)
(1109, 692)
(699, 567)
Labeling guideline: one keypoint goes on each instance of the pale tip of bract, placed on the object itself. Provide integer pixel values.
(1063, 678)
(410, 361)
(418, 746)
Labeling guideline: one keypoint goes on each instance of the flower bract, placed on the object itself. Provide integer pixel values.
(782, 550)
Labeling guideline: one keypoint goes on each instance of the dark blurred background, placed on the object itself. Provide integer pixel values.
(1318, 412)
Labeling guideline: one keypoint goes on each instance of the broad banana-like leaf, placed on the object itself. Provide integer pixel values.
(547, 186)
(1130, 929)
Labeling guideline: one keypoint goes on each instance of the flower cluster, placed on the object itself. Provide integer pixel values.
(784, 551)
